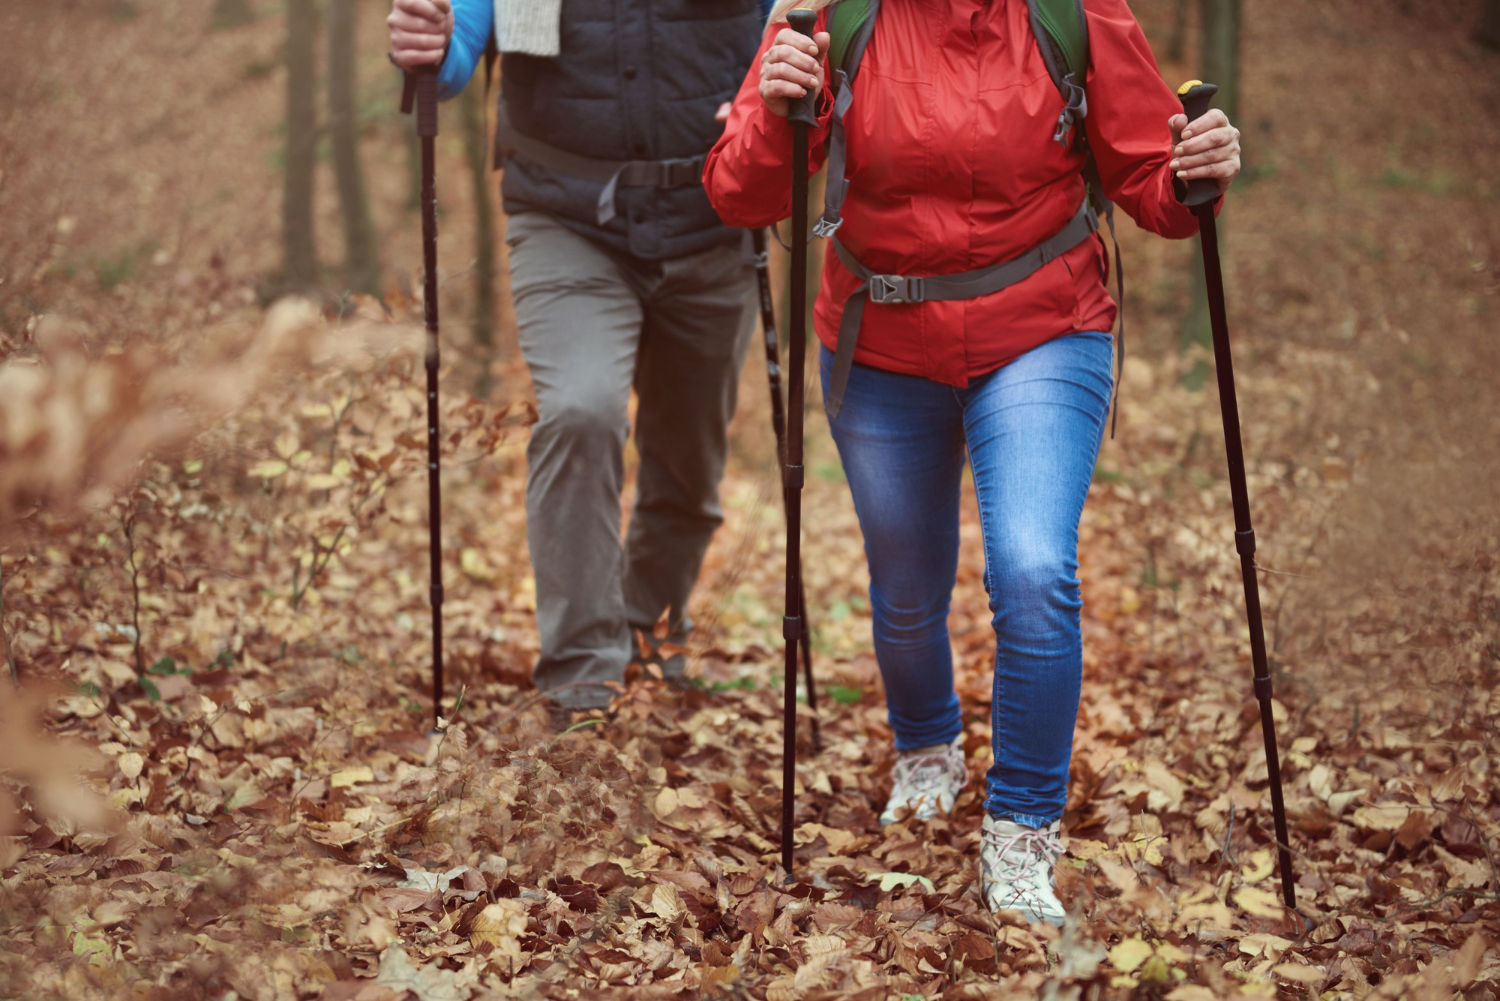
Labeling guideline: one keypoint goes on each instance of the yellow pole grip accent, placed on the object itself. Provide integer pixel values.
(1182, 91)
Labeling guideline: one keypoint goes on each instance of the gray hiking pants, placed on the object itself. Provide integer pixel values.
(593, 324)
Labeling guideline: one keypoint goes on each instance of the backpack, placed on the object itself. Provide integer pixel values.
(1062, 36)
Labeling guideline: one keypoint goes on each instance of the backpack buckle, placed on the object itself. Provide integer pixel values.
(1075, 110)
(891, 290)
(825, 227)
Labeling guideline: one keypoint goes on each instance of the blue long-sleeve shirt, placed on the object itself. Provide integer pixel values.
(473, 21)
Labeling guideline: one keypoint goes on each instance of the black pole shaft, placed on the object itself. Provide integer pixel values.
(778, 424)
(792, 485)
(1244, 535)
(426, 84)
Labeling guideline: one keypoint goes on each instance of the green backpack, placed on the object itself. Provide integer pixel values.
(1062, 37)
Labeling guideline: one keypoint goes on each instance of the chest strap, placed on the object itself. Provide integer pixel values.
(890, 290)
(682, 172)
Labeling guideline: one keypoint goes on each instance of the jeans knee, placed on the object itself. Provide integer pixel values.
(907, 618)
(1038, 583)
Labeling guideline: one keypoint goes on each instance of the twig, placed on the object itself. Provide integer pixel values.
(317, 567)
(128, 524)
(10, 660)
(103, 711)
(1262, 568)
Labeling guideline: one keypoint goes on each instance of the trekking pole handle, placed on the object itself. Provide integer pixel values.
(419, 89)
(803, 21)
(427, 101)
(1196, 96)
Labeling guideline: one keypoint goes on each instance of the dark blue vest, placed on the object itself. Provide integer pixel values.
(636, 80)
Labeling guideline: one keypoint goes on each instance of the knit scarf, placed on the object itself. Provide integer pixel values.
(529, 27)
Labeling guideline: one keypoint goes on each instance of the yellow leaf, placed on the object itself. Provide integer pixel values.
(891, 880)
(718, 976)
(1264, 944)
(131, 765)
(1381, 816)
(473, 564)
(1299, 974)
(1130, 954)
(1084, 849)
(1260, 866)
(1260, 903)
(501, 924)
(667, 903)
(1167, 789)
(269, 469)
(245, 794)
(350, 776)
(665, 803)
(323, 481)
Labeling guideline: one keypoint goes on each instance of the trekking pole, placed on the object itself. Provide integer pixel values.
(801, 117)
(778, 423)
(421, 85)
(1200, 196)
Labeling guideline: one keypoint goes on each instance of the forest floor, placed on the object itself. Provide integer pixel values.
(218, 778)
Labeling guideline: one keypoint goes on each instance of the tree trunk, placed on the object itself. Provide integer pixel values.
(1177, 41)
(1221, 66)
(477, 149)
(361, 255)
(1489, 25)
(299, 250)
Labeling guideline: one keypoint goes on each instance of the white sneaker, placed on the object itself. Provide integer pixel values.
(1016, 869)
(927, 782)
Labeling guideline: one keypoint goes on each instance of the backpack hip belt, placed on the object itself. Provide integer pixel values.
(680, 172)
(900, 289)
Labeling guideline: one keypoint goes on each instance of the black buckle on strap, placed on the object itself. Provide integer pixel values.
(890, 290)
(678, 173)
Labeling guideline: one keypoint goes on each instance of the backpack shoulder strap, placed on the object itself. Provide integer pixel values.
(851, 24)
(1062, 35)
(846, 21)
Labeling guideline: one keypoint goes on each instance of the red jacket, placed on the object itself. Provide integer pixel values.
(952, 167)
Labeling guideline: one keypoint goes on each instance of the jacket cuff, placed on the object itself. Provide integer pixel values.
(778, 128)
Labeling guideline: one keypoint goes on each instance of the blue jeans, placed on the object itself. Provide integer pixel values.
(1032, 432)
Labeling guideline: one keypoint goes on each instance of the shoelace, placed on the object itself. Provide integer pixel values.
(1033, 844)
(923, 772)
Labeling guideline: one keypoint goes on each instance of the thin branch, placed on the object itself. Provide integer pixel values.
(10, 660)
(1262, 568)
(128, 524)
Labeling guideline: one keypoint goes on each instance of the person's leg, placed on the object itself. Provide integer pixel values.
(1033, 430)
(699, 315)
(900, 439)
(580, 324)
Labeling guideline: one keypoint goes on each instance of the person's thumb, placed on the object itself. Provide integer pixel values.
(1177, 123)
